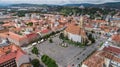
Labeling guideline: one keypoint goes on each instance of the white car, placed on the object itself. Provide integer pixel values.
(33, 44)
(39, 42)
(42, 40)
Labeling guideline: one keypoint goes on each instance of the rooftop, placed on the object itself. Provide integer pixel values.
(75, 29)
(98, 58)
(94, 61)
(116, 38)
(112, 49)
(10, 52)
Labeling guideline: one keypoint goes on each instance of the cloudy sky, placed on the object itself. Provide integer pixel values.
(56, 1)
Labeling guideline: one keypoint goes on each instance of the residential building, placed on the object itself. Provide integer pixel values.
(12, 56)
(116, 39)
(109, 56)
(17, 39)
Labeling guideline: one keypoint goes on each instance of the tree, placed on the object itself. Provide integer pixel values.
(66, 38)
(53, 33)
(35, 50)
(50, 40)
(49, 62)
(46, 36)
(43, 58)
(1, 22)
(35, 63)
(91, 38)
(61, 35)
(86, 42)
(57, 31)
(92, 31)
(30, 24)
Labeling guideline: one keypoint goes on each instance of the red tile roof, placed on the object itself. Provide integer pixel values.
(116, 38)
(7, 57)
(19, 54)
(99, 21)
(88, 26)
(94, 61)
(98, 59)
(16, 36)
(75, 29)
(110, 56)
(32, 36)
(7, 24)
(112, 49)
(44, 31)
(10, 52)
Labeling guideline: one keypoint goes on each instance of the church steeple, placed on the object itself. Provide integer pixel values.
(81, 22)
(81, 17)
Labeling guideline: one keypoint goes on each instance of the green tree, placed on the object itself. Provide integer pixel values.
(49, 62)
(50, 40)
(35, 63)
(35, 50)
(1, 22)
(44, 58)
(53, 33)
(92, 31)
(30, 24)
(61, 36)
(91, 38)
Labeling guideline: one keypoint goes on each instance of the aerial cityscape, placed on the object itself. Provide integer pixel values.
(59, 33)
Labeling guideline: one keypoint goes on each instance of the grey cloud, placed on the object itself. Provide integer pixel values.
(57, 1)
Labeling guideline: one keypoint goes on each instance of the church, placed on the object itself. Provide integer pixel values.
(76, 32)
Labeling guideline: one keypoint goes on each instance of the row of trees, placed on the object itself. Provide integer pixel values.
(48, 35)
(49, 62)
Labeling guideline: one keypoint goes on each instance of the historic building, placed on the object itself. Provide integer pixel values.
(12, 56)
(76, 32)
(106, 57)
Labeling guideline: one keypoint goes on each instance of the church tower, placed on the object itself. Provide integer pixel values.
(82, 30)
(81, 22)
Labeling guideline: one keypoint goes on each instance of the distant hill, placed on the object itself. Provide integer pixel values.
(106, 5)
(25, 5)
(111, 5)
(32, 5)
(77, 5)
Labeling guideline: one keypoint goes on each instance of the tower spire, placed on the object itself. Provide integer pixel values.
(81, 22)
